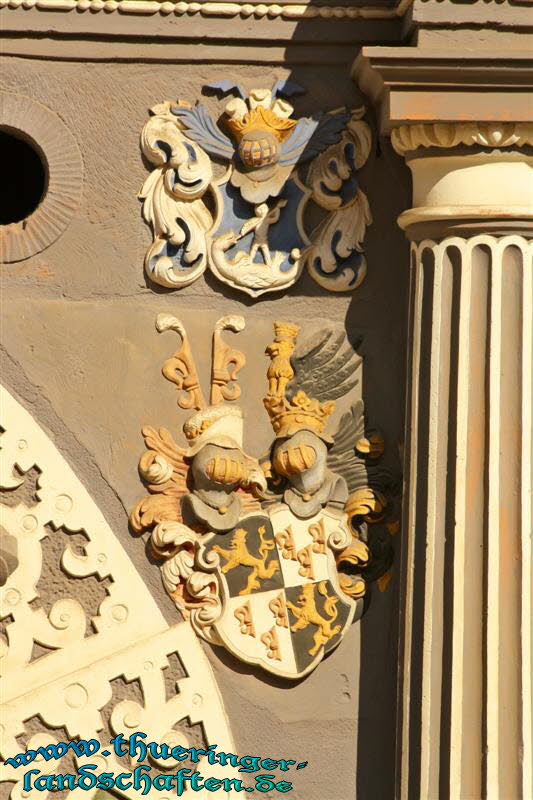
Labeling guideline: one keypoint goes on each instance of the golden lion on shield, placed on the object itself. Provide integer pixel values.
(238, 556)
(306, 613)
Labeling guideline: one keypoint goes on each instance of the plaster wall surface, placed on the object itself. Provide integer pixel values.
(81, 352)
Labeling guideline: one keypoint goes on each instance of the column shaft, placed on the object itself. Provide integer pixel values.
(466, 717)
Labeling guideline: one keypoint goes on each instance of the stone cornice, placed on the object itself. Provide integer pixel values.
(288, 11)
(379, 69)
(449, 14)
(418, 85)
(407, 138)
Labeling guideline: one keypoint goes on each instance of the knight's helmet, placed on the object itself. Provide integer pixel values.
(217, 422)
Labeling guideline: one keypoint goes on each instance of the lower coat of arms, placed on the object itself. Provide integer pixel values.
(269, 557)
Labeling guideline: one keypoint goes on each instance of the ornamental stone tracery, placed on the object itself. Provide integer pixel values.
(120, 670)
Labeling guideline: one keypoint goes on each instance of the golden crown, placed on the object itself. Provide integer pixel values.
(300, 412)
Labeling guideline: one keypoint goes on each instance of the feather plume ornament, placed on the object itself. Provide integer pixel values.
(199, 126)
(325, 365)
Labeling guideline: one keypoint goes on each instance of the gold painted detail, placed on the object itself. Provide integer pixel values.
(265, 151)
(300, 412)
(280, 371)
(353, 586)
(243, 614)
(260, 119)
(305, 559)
(285, 541)
(356, 554)
(200, 499)
(294, 460)
(271, 642)
(239, 556)
(164, 471)
(318, 534)
(226, 362)
(278, 607)
(258, 130)
(170, 474)
(372, 445)
(215, 9)
(223, 469)
(180, 368)
(306, 613)
(367, 503)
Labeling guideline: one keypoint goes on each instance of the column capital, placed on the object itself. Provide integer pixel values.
(408, 138)
(464, 124)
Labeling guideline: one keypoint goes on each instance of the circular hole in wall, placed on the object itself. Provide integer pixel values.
(23, 177)
(48, 177)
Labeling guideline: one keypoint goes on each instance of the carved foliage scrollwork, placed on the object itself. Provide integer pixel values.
(249, 224)
(337, 243)
(172, 200)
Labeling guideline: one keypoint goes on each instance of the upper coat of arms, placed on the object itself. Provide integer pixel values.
(268, 557)
(233, 195)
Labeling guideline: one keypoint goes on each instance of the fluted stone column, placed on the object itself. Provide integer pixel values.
(461, 116)
(463, 121)
(466, 676)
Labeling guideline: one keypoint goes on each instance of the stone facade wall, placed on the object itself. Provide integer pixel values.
(82, 355)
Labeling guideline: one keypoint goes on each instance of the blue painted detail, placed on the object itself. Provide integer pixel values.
(351, 262)
(350, 185)
(328, 131)
(226, 87)
(191, 151)
(200, 127)
(287, 88)
(177, 253)
(175, 179)
(164, 147)
(283, 236)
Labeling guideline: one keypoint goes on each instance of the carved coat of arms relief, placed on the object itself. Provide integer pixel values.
(270, 557)
(233, 195)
